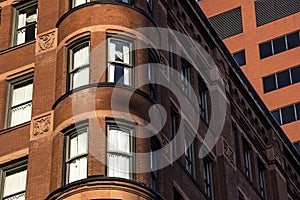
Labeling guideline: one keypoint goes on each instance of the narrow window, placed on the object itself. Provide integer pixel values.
(76, 148)
(262, 180)
(189, 152)
(298, 111)
(283, 79)
(265, 50)
(172, 61)
(288, 114)
(25, 23)
(269, 83)
(293, 40)
(276, 115)
(240, 58)
(119, 152)
(120, 61)
(151, 76)
(154, 165)
(150, 7)
(14, 181)
(247, 160)
(174, 118)
(279, 45)
(20, 100)
(208, 177)
(79, 63)
(203, 104)
(75, 3)
(295, 74)
(185, 77)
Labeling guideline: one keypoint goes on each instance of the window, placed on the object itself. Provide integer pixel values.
(120, 61)
(20, 101)
(189, 152)
(151, 76)
(185, 77)
(14, 181)
(76, 147)
(79, 63)
(75, 3)
(281, 79)
(240, 58)
(203, 102)
(287, 114)
(262, 180)
(150, 7)
(208, 177)
(153, 165)
(119, 152)
(25, 23)
(247, 160)
(279, 44)
(172, 56)
(174, 126)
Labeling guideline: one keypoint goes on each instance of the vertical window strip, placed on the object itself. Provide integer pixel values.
(247, 160)
(262, 180)
(208, 177)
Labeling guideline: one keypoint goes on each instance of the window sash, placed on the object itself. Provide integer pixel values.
(15, 184)
(208, 178)
(79, 2)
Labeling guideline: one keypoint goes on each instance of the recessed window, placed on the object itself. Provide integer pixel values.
(79, 63)
(208, 177)
(75, 3)
(25, 23)
(174, 128)
(76, 148)
(119, 152)
(151, 76)
(185, 77)
(295, 74)
(150, 7)
(240, 58)
(120, 61)
(262, 180)
(189, 152)
(20, 100)
(203, 104)
(293, 40)
(265, 49)
(172, 61)
(247, 160)
(154, 164)
(14, 181)
(279, 45)
(269, 83)
(283, 79)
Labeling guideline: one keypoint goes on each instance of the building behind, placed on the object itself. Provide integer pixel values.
(264, 38)
(67, 71)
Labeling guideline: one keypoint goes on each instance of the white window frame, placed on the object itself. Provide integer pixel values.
(72, 49)
(128, 79)
(75, 132)
(20, 81)
(12, 169)
(130, 130)
(16, 25)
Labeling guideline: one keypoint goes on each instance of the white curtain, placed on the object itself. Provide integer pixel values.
(79, 2)
(118, 140)
(22, 32)
(81, 77)
(78, 169)
(78, 144)
(118, 165)
(20, 114)
(15, 183)
(81, 59)
(126, 53)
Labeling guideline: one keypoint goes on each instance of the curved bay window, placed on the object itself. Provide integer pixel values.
(120, 61)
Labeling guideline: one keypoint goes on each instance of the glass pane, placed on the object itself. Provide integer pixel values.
(118, 140)
(240, 58)
(119, 51)
(21, 94)
(283, 79)
(288, 114)
(81, 56)
(276, 115)
(15, 183)
(118, 165)
(20, 114)
(298, 111)
(79, 2)
(78, 144)
(293, 40)
(295, 74)
(78, 169)
(279, 45)
(265, 50)
(119, 74)
(269, 83)
(81, 77)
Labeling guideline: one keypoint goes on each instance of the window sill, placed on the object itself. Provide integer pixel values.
(17, 47)
(9, 129)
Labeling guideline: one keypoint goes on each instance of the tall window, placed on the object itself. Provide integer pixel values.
(150, 7)
(79, 63)
(172, 61)
(14, 182)
(189, 153)
(25, 23)
(203, 107)
(20, 100)
(153, 165)
(119, 152)
(247, 160)
(76, 154)
(262, 180)
(208, 177)
(151, 76)
(120, 61)
(186, 77)
(174, 120)
(75, 3)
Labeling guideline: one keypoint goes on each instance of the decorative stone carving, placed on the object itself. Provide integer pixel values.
(46, 41)
(41, 126)
(228, 153)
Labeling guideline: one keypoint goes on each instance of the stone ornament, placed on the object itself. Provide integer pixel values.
(41, 126)
(46, 41)
(228, 153)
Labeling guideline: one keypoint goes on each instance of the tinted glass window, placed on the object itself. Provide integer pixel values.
(276, 115)
(288, 114)
(240, 58)
(293, 40)
(283, 79)
(269, 83)
(279, 45)
(296, 74)
(298, 110)
(265, 49)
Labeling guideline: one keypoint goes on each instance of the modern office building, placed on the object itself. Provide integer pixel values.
(90, 110)
(263, 36)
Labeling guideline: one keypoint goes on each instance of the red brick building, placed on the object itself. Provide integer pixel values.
(80, 116)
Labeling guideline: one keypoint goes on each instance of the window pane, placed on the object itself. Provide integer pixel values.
(295, 74)
(22, 93)
(288, 114)
(119, 51)
(283, 79)
(81, 77)
(20, 114)
(118, 140)
(265, 50)
(269, 83)
(15, 183)
(118, 165)
(293, 40)
(240, 58)
(78, 144)
(78, 169)
(279, 45)
(298, 111)
(276, 115)
(81, 56)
